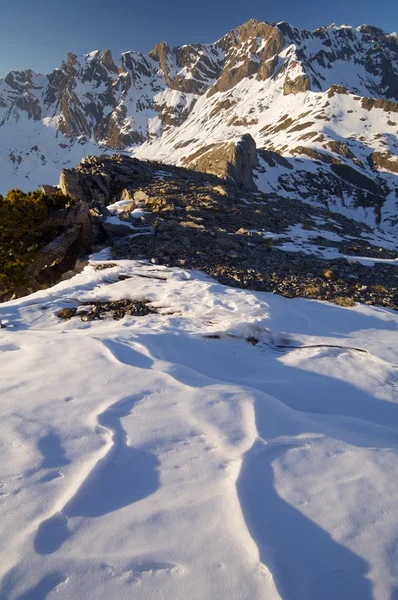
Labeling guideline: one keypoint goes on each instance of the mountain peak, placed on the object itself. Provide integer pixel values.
(323, 100)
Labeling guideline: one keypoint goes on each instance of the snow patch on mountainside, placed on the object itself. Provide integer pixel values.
(326, 101)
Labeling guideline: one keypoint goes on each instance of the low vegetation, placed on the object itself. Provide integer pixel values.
(24, 229)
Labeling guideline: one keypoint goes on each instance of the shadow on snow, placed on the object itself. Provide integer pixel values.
(123, 476)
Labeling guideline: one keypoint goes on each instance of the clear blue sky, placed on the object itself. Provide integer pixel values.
(37, 34)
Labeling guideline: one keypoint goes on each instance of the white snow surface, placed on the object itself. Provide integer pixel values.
(142, 459)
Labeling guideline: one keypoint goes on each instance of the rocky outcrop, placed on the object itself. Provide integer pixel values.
(200, 221)
(74, 231)
(70, 184)
(267, 68)
(233, 75)
(296, 86)
(386, 105)
(353, 176)
(176, 63)
(115, 134)
(30, 105)
(61, 254)
(337, 89)
(107, 61)
(116, 229)
(315, 154)
(260, 61)
(384, 160)
(340, 148)
(245, 160)
(232, 160)
(274, 158)
(48, 189)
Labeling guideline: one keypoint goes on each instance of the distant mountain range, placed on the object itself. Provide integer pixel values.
(321, 106)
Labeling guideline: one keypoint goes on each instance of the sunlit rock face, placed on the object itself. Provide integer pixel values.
(324, 101)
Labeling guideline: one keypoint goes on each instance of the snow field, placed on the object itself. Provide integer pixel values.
(166, 456)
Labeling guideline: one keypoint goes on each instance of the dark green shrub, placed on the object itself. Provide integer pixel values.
(24, 229)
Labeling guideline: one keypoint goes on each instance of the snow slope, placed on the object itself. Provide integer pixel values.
(167, 457)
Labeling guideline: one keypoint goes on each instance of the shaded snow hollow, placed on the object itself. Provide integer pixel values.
(165, 456)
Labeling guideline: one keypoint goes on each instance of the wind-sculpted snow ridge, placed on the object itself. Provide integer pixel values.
(322, 107)
(228, 444)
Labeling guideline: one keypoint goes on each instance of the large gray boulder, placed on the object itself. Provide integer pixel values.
(70, 184)
(234, 160)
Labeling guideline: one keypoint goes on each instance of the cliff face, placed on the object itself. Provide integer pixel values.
(299, 94)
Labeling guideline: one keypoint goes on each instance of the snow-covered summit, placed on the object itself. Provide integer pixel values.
(324, 101)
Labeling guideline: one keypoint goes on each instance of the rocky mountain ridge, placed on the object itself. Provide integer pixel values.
(180, 217)
(321, 106)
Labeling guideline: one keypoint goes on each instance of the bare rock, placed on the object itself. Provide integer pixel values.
(273, 158)
(228, 159)
(61, 254)
(126, 194)
(66, 313)
(263, 62)
(48, 189)
(296, 86)
(31, 105)
(384, 160)
(107, 61)
(386, 105)
(114, 229)
(140, 196)
(70, 184)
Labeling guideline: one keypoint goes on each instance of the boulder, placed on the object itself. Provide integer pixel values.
(70, 184)
(141, 197)
(127, 208)
(126, 194)
(115, 228)
(234, 160)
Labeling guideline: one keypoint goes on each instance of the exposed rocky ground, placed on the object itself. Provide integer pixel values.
(179, 217)
(118, 309)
